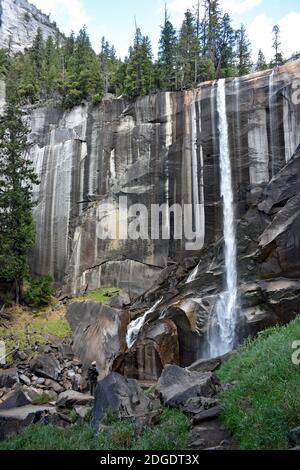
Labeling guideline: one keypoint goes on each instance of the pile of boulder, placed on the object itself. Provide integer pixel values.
(193, 390)
(52, 379)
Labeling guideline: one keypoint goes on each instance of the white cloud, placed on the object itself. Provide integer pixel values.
(289, 33)
(233, 7)
(261, 36)
(69, 14)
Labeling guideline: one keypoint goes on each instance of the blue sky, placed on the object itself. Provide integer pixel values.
(115, 19)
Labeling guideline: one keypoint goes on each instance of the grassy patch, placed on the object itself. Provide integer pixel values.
(27, 329)
(265, 404)
(42, 399)
(170, 434)
(101, 295)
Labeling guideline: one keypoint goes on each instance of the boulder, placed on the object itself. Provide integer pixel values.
(54, 386)
(204, 365)
(82, 411)
(71, 398)
(46, 366)
(156, 347)
(8, 377)
(176, 385)
(294, 437)
(25, 380)
(198, 404)
(207, 415)
(14, 399)
(15, 420)
(120, 300)
(99, 333)
(122, 396)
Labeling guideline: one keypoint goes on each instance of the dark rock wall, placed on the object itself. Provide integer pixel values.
(159, 149)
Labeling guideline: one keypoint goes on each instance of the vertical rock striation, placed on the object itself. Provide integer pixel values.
(162, 148)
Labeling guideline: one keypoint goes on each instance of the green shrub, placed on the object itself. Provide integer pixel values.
(42, 399)
(265, 404)
(40, 292)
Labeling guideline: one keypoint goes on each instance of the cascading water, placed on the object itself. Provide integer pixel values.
(222, 329)
(273, 123)
(136, 325)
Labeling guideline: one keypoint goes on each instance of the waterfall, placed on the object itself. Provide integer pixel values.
(222, 329)
(136, 325)
(272, 121)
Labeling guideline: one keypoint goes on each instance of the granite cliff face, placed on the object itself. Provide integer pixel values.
(19, 22)
(159, 149)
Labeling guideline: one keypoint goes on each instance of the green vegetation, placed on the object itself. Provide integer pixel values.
(265, 404)
(68, 72)
(170, 434)
(26, 330)
(42, 399)
(101, 295)
(40, 292)
(17, 178)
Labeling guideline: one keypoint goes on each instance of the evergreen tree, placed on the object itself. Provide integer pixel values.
(225, 53)
(244, 62)
(211, 30)
(4, 61)
(188, 48)
(51, 68)
(167, 56)
(17, 178)
(261, 63)
(278, 58)
(139, 79)
(37, 55)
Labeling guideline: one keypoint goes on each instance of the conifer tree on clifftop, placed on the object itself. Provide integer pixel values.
(17, 178)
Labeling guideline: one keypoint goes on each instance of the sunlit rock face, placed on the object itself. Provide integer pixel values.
(19, 22)
(158, 149)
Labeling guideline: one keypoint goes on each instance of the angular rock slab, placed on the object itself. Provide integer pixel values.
(14, 420)
(124, 397)
(99, 333)
(8, 378)
(15, 399)
(46, 366)
(156, 346)
(70, 398)
(176, 385)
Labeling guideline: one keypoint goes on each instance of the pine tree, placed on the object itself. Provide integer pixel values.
(51, 67)
(244, 62)
(17, 178)
(261, 63)
(139, 79)
(278, 58)
(211, 29)
(167, 56)
(4, 61)
(37, 54)
(225, 53)
(188, 48)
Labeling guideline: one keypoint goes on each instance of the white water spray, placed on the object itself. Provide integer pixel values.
(222, 330)
(136, 325)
